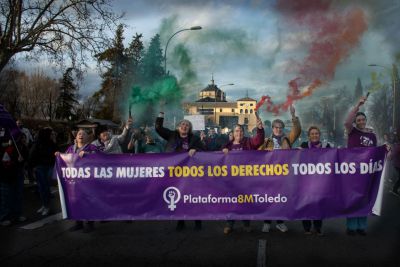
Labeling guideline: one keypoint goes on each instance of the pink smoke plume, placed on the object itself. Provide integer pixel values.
(333, 35)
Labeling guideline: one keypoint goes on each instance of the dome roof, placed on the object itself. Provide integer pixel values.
(211, 87)
(211, 93)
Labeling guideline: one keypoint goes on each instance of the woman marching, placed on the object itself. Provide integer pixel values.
(180, 140)
(239, 142)
(314, 142)
(279, 140)
(358, 136)
(82, 147)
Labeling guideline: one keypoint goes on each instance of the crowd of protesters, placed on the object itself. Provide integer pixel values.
(33, 155)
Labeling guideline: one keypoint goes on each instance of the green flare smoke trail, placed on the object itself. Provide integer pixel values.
(146, 101)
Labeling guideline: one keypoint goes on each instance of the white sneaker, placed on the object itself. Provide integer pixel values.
(266, 227)
(282, 227)
(41, 209)
(45, 211)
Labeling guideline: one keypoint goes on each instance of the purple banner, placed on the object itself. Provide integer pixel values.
(255, 185)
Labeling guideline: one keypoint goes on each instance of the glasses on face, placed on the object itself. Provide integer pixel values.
(277, 127)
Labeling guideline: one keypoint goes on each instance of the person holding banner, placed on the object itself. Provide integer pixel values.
(82, 146)
(240, 142)
(180, 140)
(314, 142)
(279, 140)
(358, 136)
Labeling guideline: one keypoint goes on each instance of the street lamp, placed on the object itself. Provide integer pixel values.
(227, 84)
(194, 28)
(394, 93)
(215, 100)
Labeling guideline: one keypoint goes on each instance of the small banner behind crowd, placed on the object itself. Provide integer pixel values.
(253, 185)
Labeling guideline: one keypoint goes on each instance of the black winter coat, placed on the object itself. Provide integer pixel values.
(174, 141)
(42, 154)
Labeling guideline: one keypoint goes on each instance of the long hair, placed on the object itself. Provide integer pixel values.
(240, 126)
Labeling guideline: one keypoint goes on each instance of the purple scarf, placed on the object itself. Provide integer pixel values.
(314, 144)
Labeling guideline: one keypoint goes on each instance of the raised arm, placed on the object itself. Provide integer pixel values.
(124, 133)
(348, 124)
(296, 129)
(257, 140)
(160, 129)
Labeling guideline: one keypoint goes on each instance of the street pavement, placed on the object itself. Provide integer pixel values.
(156, 243)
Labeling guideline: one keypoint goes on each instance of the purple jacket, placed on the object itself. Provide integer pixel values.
(357, 137)
(250, 143)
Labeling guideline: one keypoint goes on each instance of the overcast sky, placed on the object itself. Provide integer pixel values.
(252, 44)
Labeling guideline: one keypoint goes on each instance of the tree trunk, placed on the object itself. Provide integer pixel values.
(4, 59)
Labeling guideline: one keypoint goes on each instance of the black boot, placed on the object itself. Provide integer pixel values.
(89, 227)
(77, 226)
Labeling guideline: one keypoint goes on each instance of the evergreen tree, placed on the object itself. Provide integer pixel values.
(358, 90)
(342, 106)
(67, 97)
(328, 114)
(116, 63)
(153, 61)
(135, 53)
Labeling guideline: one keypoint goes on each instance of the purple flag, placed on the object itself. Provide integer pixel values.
(8, 123)
(254, 185)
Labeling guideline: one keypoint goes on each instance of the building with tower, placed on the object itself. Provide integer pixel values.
(218, 112)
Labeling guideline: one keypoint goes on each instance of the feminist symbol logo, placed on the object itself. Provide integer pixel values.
(172, 195)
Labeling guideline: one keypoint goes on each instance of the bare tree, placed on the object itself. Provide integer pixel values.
(28, 97)
(89, 107)
(38, 96)
(10, 92)
(59, 28)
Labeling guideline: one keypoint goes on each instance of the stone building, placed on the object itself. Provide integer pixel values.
(218, 111)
